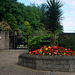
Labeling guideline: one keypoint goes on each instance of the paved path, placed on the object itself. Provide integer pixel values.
(9, 66)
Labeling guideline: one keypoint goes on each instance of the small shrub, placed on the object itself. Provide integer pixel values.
(38, 41)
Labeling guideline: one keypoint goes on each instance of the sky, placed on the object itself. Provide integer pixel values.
(68, 8)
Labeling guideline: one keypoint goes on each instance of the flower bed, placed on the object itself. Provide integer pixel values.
(49, 59)
(53, 51)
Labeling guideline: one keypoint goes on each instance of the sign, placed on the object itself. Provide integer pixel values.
(1, 37)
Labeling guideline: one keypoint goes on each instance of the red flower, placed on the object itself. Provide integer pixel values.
(37, 53)
(58, 46)
(69, 51)
(61, 51)
(45, 52)
(42, 47)
(68, 54)
(50, 50)
(55, 53)
(41, 54)
(65, 50)
(45, 46)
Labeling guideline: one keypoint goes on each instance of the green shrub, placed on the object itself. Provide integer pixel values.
(38, 42)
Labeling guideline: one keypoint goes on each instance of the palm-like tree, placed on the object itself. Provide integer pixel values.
(53, 15)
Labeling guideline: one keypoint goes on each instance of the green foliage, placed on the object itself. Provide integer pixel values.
(33, 16)
(43, 8)
(54, 14)
(11, 21)
(67, 41)
(40, 38)
(27, 28)
(22, 13)
(40, 32)
(6, 6)
(36, 16)
(38, 42)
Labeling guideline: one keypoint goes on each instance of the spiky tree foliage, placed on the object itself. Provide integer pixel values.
(54, 15)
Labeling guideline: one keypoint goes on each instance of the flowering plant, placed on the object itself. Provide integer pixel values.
(52, 51)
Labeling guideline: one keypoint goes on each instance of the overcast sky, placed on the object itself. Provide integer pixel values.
(68, 9)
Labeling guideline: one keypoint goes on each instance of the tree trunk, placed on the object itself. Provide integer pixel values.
(53, 39)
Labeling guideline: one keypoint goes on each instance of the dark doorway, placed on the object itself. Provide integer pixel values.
(16, 41)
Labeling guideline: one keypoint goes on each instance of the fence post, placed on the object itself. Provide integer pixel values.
(15, 40)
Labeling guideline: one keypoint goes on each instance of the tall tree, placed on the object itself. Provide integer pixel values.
(27, 29)
(54, 15)
(5, 7)
(11, 21)
(22, 13)
(33, 16)
(43, 10)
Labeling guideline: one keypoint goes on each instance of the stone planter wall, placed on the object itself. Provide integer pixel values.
(48, 63)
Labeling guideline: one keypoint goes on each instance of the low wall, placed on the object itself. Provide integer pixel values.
(48, 63)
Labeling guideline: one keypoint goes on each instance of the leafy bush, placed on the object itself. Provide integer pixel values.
(38, 41)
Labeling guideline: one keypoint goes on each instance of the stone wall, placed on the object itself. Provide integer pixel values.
(4, 39)
(48, 63)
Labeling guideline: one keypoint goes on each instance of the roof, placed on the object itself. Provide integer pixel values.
(67, 34)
